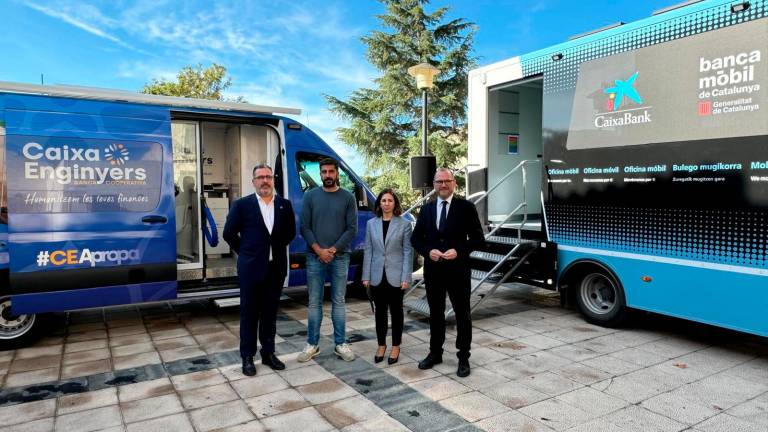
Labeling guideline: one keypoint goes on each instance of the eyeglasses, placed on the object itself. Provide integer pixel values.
(439, 182)
(264, 177)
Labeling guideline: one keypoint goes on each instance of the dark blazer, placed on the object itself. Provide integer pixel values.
(463, 232)
(247, 235)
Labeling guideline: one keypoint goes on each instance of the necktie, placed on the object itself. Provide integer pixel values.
(443, 216)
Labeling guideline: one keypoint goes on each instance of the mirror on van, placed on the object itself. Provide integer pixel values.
(362, 198)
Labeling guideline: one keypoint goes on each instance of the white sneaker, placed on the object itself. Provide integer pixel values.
(344, 352)
(309, 352)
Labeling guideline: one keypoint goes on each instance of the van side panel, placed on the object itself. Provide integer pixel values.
(91, 211)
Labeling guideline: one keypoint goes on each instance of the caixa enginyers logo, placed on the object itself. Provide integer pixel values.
(81, 165)
(623, 94)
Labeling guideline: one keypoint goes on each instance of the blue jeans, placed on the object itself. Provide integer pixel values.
(316, 275)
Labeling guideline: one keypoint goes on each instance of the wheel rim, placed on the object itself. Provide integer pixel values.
(13, 326)
(598, 294)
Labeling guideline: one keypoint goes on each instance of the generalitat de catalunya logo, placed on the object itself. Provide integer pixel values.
(619, 96)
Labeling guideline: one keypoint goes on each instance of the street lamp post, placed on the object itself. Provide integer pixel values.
(424, 74)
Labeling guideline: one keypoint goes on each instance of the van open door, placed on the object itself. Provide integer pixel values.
(90, 204)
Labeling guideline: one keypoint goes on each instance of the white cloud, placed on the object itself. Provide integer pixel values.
(84, 11)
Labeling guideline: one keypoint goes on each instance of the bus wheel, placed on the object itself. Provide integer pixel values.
(16, 330)
(601, 299)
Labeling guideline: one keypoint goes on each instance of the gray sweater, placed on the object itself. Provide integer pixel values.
(329, 219)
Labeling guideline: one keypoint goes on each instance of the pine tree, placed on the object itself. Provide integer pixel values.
(385, 121)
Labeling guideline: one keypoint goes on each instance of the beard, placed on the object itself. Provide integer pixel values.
(330, 182)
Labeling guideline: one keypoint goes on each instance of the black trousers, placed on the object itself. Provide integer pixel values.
(258, 311)
(442, 280)
(386, 296)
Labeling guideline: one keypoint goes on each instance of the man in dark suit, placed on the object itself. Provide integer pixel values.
(447, 231)
(259, 228)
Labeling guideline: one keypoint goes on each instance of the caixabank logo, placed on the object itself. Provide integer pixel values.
(624, 105)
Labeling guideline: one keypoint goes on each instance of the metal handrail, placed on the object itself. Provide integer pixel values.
(506, 176)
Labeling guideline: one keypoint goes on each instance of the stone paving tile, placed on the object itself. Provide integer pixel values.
(377, 424)
(40, 351)
(135, 360)
(251, 426)
(86, 356)
(175, 343)
(556, 414)
(514, 394)
(87, 336)
(611, 365)
(259, 385)
(36, 363)
(676, 407)
(479, 378)
(723, 391)
(206, 396)
(276, 403)
(85, 346)
(345, 412)
(305, 420)
(635, 418)
(132, 349)
(482, 356)
(440, 388)
(31, 377)
(511, 332)
(474, 406)
(511, 421)
(175, 423)
(756, 370)
(753, 411)
(85, 401)
(582, 374)
(181, 353)
(409, 373)
(85, 369)
(129, 340)
(157, 406)
(43, 425)
(540, 341)
(573, 353)
(326, 391)
(597, 425)
(550, 383)
(144, 390)
(725, 422)
(221, 416)
(198, 379)
(305, 375)
(91, 420)
(16, 414)
(638, 357)
(592, 401)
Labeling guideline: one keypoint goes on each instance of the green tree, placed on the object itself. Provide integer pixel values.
(385, 121)
(194, 82)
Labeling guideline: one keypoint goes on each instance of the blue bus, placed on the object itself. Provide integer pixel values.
(113, 198)
(649, 142)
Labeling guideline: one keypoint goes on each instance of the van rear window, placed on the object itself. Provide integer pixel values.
(75, 175)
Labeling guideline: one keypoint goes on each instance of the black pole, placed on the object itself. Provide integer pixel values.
(424, 125)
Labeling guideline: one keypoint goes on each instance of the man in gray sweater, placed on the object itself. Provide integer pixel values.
(328, 225)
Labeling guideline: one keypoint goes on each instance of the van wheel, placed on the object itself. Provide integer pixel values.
(600, 299)
(16, 330)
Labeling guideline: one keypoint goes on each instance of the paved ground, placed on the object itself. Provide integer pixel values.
(536, 367)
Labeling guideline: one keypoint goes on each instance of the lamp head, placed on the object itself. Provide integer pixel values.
(425, 74)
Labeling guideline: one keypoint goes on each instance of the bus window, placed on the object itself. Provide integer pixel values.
(308, 167)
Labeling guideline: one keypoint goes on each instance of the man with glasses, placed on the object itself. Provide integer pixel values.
(259, 228)
(328, 225)
(447, 231)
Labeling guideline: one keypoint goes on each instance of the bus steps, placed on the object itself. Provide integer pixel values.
(503, 266)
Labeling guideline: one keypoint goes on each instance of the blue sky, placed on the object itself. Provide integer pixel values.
(284, 53)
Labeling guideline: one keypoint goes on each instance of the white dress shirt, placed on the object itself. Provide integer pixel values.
(440, 209)
(268, 213)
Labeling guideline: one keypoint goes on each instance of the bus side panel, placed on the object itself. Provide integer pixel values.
(714, 296)
(91, 211)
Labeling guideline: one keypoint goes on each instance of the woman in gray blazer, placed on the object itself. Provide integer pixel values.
(387, 268)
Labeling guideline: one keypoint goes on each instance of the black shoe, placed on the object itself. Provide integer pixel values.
(272, 361)
(249, 369)
(429, 361)
(379, 358)
(392, 360)
(463, 370)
